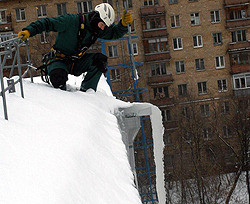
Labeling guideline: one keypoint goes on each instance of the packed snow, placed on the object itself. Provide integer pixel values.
(63, 147)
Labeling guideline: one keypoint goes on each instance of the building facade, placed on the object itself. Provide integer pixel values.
(188, 52)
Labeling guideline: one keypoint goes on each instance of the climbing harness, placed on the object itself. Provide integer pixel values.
(56, 55)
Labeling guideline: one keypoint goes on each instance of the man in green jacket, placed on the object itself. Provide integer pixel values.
(75, 34)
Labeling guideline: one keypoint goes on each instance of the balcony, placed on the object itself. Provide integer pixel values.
(160, 79)
(155, 32)
(240, 68)
(162, 102)
(229, 3)
(242, 92)
(238, 23)
(239, 46)
(6, 26)
(150, 57)
(152, 10)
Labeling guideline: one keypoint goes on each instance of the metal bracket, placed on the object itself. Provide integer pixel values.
(7, 47)
(11, 84)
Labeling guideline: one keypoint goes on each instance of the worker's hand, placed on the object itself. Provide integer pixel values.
(25, 34)
(101, 61)
(126, 18)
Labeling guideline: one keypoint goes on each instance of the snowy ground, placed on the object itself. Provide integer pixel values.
(63, 147)
(216, 192)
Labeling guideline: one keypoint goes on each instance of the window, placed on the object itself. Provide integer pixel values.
(207, 133)
(44, 37)
(173, 1)
(150, 2)
(199, 64)
(195, 18)
(153, 23)
(20, 14)
(225, 107)
(217, 37)
(180, 66)
(238, 36)
(226, 132)
(205, 110)
(135, 48)
(161, 92)
(84, 6)
(215, 16)
(61, 9)
(177, 43)
(197, 40)
(166, 115)
(182, 89)
(241, 58)
(202, 87)
(237, 14)
(157, 45)
(108, 1)
(115, 75)
(158, 69)
(41, 11)
(175, 21)
(222, 85)
(112, 50)
(241, 81)
(219, 62)
(3, 17)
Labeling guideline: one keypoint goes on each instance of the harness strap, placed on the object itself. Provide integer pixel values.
(81, 31)
(82, 34)
(55, 54)
(44, 73)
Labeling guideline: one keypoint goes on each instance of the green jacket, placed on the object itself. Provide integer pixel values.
(67, 27)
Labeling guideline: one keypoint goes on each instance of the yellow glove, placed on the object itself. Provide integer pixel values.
(25, 34)
(126, 18)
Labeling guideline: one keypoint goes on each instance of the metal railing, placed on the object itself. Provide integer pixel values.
(11, 50)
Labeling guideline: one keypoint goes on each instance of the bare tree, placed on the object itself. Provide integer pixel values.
(240, 125)
(210, 142)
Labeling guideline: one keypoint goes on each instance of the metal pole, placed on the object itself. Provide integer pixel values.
(17, 44)
(29, 60)
(132, 157)
(107, 73)
(13, 65)
(9, 41)
(131, 54)
(144, 140)
(19, 69)
(3, 92)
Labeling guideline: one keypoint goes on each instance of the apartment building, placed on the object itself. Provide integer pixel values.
(186, 51)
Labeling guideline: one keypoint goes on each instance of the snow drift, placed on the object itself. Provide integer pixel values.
(63, 147)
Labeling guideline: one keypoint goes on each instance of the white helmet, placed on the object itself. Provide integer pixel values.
(107, 13)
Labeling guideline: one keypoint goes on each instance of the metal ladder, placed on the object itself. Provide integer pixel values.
(11, 50)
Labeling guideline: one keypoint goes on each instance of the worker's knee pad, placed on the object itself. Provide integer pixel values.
(58, 78)
(101, 61)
